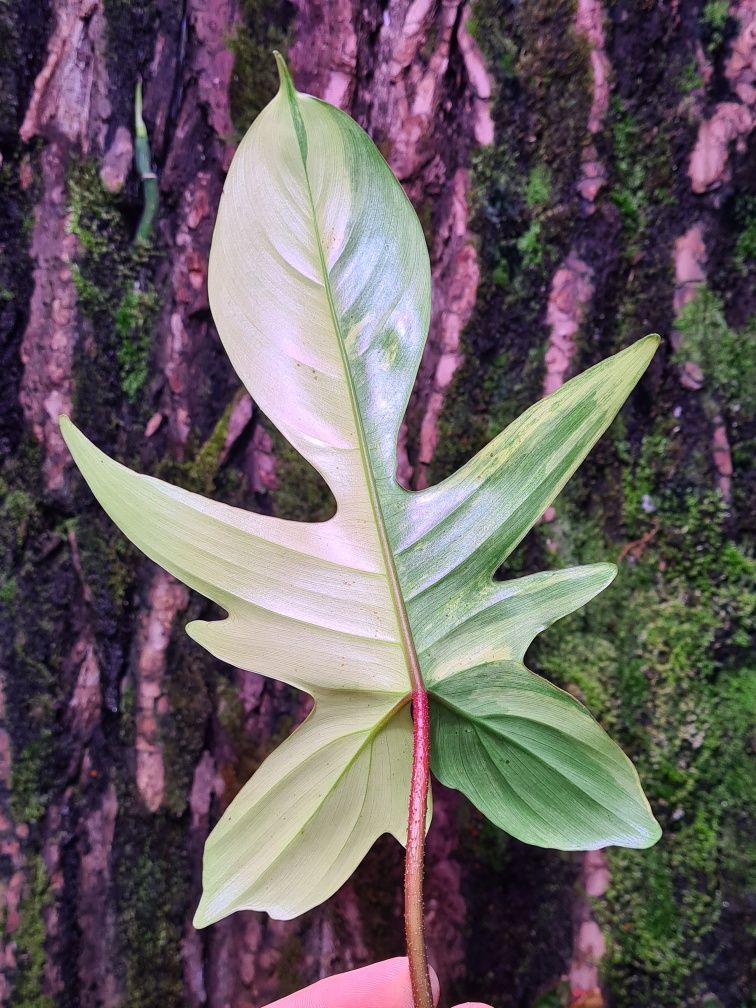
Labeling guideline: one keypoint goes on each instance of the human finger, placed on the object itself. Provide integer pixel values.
(380, 985)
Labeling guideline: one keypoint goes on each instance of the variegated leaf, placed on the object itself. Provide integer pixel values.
(320, 286)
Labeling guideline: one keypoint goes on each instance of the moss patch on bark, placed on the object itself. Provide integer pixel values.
(523, 199)
(662, 657)
(114, 290)
(263, 27)
(29, 939)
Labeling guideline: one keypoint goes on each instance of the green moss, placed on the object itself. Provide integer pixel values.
(29, 939)
(559, 997)
(553, 64)
(678, 897)
(538, 187)
(642, 170)
(715, 14)
(690, 78)
(745, 244)
(134, 319)
(628, 193)
(716, 25)
(523, 193)
(726, 357)
(201, 471)
(33, 643)
(94, 215)
(108, 563)
(662, 658)
(263, 27)
(301, 493)
(639, 482)
(230, 710)
(19, 509)
(152, 879)
(28, 799)
(501, 275)
(530, 245)
(112, 284)
(189, 676)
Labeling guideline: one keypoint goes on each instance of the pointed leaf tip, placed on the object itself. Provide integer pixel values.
(644, 348)
(607, 571)
(201, 917)
(288, 92)
(653, 339)
(68, 430)
(72, 436)
(284, 77)
(650, 343)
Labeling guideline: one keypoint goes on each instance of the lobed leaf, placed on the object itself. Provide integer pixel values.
(534, 761)
(320, 284)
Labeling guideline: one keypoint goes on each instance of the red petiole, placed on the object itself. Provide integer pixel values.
(413, 865)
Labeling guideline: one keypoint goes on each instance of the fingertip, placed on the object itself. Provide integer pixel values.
(399, 969)
(473, 1004)
(435, 985)
(397, 989)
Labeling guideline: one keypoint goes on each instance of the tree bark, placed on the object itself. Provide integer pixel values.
(583, 174)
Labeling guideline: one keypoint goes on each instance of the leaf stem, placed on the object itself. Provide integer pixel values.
(143, 160)
(415, 857)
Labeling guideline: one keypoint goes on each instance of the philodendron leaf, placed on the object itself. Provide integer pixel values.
(532, 759)
(320, 284)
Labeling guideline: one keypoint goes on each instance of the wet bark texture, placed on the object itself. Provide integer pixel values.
(583, 171)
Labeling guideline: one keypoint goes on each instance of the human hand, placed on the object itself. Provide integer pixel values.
(382, 985)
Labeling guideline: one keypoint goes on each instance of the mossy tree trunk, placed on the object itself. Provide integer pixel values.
(581, 170)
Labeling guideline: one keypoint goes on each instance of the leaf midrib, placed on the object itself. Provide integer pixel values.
(370, 736)
(482, 725)
(405, 631)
